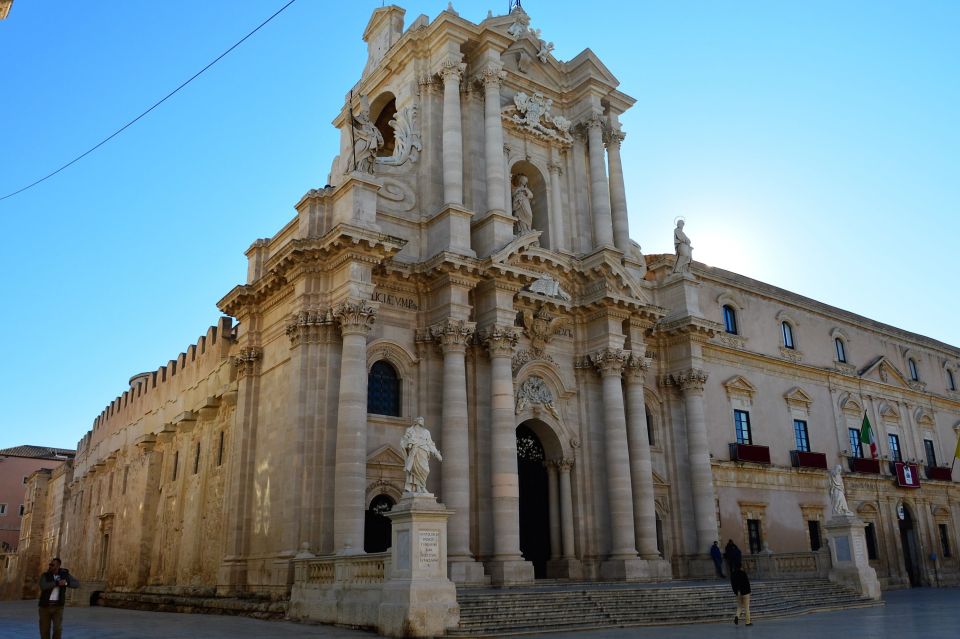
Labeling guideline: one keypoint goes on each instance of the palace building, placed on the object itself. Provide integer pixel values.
(602, 414)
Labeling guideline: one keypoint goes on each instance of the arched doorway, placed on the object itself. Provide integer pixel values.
(376, 529)
(908, 541)
(534, 501)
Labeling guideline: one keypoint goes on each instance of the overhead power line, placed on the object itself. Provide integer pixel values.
(155, 105)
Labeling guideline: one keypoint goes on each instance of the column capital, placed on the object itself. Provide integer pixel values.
(247, 361)
(451, 69)
(555, 168)
(491, 74)
(500, 340)
(690, 381)
(564, 465)
(635, 368)
(609, 361)
(613, 137)
(593, 120)
(309, 326)
(452, 335)
(355, 317)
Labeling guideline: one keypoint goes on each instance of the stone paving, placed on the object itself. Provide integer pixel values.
(927, 613)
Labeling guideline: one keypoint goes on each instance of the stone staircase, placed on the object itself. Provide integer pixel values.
(556, 607)
(256, 607)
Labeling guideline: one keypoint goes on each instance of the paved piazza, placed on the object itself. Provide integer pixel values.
(928, 613)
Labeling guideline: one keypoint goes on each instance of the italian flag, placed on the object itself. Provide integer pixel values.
(867, 436)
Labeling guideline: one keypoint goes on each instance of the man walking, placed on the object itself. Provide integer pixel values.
(53, 592)
(717, 557)
(741, 588)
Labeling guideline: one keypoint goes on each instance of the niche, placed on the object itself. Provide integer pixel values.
(538, 186)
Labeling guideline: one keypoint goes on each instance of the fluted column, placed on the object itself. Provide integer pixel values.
(618, 192)
(452, 337)
(641, 469)
(691, 383)
(600, 189)
(557, 225)
(492, 76)
(609, 362)
(451, 72)
(566, 507)
(553, 500)
(355, 319)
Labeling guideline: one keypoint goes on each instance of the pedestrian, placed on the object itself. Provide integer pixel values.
(53, 592)
(717, 557)
(732, 555)
(741, 587)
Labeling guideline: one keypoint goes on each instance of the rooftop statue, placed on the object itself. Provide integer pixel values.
(681, 244)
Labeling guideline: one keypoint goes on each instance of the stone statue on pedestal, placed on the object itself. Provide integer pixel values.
(417, 447)
(838, 499)
(523, 205)
(681, 244)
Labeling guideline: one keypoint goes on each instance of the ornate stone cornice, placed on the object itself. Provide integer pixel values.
(452, 335)
(499, 340)
(689, 327)
(355, 317)
(309, 327)
(247, 361)
(609, 361)
(690, 380)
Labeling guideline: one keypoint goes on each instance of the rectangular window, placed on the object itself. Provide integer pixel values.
(944, 540)
(196, 459)
(3, 509)
(855, 449)
(894, 442)
(741, 420)
(814, 527)
(220, 450)
(176, 462)
(931, 453)
(126, 472)
(22, 511)
(26, 479)
(870, 533)
(753, 534)
(800, 433)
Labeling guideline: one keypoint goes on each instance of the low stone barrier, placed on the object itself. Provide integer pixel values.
(343, 590)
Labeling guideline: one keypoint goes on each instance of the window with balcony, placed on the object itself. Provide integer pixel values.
(894, 442)
(741, 421)
(730, 320)
(856, 450)
(801, 435)
(841, 350)
(930, 452)
(787, 331)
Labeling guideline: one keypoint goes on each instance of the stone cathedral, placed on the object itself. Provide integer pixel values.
(602, 414)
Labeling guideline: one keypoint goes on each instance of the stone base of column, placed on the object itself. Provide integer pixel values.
(492, 232)
(567, 568)
(449, 230)
(467, 572)
(848, 550)
(635, 569)
(510, 572)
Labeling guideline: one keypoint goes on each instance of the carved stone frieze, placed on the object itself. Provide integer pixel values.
(609, 361)
(791, 355)
(535, 392)
(355, 317)
(247, 361)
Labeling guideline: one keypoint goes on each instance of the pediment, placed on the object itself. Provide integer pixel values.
(586, 65)
(387, 455)
(797, 396)
(882, 370)
(739, 385)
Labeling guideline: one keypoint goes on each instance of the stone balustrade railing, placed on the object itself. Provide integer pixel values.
(348, 569)
(782, 565)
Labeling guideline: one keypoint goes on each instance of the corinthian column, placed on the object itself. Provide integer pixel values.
(356, 319)
(641, 469)
(618, 193)
(609, 363)
(566, 507)
(492, 75)
(600, 190)
(450, 72)
(691, 383)
(556, 208)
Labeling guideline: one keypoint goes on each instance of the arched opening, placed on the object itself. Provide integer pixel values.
(383, 389)
(908, 542)
(539, 204)
(383, 125)
(534, 500)
(376, 529)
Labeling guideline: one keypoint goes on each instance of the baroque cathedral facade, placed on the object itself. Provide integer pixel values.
(602, 414)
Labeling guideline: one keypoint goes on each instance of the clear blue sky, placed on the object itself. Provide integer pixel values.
(811, 145)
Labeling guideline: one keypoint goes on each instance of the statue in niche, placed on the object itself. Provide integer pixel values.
(523, 205)
(681, 244)
(838, 498)
(417, 447)
(366, 139)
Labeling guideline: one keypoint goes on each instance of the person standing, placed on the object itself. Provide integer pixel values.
(741, 588)
(733, 556)
(53, 593)
(717, 557)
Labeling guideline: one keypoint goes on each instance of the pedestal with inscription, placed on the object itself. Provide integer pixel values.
(848, 550)
(419, 600)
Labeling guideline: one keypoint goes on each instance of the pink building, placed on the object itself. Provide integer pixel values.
(16, 465)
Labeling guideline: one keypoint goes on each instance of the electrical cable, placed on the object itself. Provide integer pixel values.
(158, 103)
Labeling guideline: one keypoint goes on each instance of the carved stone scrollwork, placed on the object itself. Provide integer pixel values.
(531, 114)
(534, 391)
(407, 136)
(453, 335)
(609, 361)
(309, 327)
(500, 340)
(355, 317)
(247, 362)
(691, 380)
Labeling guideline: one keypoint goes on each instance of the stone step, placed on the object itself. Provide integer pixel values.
(258, 608)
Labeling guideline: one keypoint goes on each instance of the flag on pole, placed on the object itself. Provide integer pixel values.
(956, 453)
(867, 437)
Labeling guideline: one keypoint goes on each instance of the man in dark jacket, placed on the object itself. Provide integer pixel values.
(53, 592)
(741, 587)
(733, 556)
(717, 557)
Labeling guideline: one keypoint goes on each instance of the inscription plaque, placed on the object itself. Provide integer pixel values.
(429, 548)
(842, 545)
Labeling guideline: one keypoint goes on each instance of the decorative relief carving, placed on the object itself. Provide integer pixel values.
(531, 114)
(550, 287)
(534, 391)
(791, 354)
(733, 341)
(525, 356)
(309, 326)
(355, 317)
(499, 340)
(540, 327)
(609, 361)
(407, 136)
(247, 361)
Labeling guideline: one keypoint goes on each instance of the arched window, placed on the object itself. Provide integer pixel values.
(951, 382)
(388, 112)
(730, 319)
(787, 334)
(841, 350)
(912, 365)
(376, 531)
(383, 390)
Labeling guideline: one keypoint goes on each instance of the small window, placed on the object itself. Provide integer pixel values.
(220, 450)
(383, 390)
(856, 449)
(912, 365)
(930, 452)
(951, 382)
(22, 511)
(649, 426)
(126, 473)
(196, 459)
(3, 509)
(813, 526)
(741, 420)
(730, 320)
(801, 435)
(787, 334)
(754, 536)
(870, 533)
(894, 441)
(26, 479)
(176, 463)
(944, 540)
(841, 350)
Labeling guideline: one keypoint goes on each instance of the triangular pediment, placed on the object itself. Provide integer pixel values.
(882, 370)
(797, 396)
(739, 385)
(387, 455)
